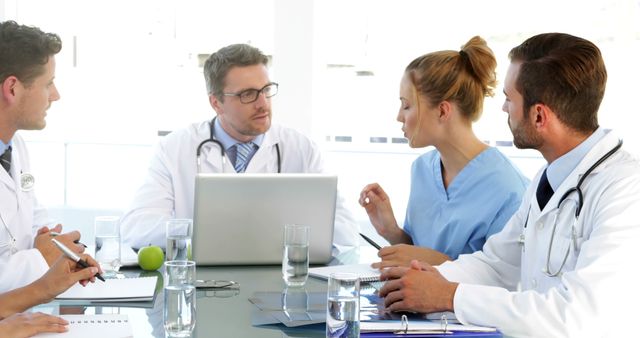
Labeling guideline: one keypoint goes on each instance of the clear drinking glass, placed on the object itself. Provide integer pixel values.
(343, 305)
(295, 257)
(107, 233)
(179, 233)
(179, 298)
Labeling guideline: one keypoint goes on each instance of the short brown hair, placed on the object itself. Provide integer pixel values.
(25, 50)
(219, 63)
(564, 72)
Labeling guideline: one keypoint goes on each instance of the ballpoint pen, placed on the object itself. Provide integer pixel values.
(375, 245)
(73, 256)
(54, 234)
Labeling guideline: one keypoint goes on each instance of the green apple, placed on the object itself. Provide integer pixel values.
(150, 258)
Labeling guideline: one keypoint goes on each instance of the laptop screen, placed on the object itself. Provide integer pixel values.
(239, 218)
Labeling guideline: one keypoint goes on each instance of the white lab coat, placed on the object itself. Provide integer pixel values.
(168, 190)
(20, 262)
(596, 295)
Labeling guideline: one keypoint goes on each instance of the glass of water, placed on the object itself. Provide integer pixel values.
(295, 258)
(179, 233)
(107, 233)
(343, 305)
(179, 298)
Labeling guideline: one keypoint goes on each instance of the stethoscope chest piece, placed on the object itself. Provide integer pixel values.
(27, 181)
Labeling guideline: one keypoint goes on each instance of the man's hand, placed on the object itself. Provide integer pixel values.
(419, 288)
(48, 250)
(403, 254)
(22, 325)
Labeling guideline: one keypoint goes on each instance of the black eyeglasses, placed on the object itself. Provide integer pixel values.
(251, 95)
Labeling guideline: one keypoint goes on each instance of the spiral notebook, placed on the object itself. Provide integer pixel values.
(364, 271)
(95, 326)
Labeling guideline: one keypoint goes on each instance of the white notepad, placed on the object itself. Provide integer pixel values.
(95, 326)
(364, 271)
(114, 290)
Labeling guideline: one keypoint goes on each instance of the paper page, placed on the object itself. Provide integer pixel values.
(365, 271)
(126, 289)
(95, 326)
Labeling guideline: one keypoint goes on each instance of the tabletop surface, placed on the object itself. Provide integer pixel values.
(220, 313)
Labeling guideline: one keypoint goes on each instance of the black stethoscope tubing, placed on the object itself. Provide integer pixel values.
(212, 138)
(577, 188)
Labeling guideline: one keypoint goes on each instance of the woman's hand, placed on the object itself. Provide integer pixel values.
(378, 206)
(22, 325)
(403, 254)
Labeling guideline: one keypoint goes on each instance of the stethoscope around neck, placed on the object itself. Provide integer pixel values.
(574, 233)
(212, 138)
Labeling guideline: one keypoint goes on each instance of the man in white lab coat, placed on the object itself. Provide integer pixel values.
(27, 69)
(240, 92)
(549, 273)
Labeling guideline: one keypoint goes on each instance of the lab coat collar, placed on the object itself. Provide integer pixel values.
(603, 146)
(264, 160)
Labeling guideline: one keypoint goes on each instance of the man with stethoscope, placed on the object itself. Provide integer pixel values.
(240, 138)
(565, 264)
(27, 69)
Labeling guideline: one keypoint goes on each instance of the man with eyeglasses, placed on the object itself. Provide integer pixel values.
(240, 138)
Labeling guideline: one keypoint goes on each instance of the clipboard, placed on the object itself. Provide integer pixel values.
(375, 322)
(445, 330)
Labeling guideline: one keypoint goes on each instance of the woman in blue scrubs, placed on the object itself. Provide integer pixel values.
(463, 191)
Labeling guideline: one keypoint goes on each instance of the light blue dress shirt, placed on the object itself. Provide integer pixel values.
(3, 146)
(560, 169)
(229, 142)
(477, 204)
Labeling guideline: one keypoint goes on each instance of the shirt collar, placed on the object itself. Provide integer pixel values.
(560, 169)
(3, 147)
(228, 141)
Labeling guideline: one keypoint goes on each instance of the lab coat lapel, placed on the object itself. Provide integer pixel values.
(7, 181)
(602, 147)
(211, 155)
(214, 160)
(265, 160)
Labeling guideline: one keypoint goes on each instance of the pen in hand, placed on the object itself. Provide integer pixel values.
(54, 234)
(74, 257)
(370, 241)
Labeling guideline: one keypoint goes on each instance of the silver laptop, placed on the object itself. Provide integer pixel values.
(239, 218)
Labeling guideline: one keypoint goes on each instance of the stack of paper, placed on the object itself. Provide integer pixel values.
(114, 290)
(364, 271)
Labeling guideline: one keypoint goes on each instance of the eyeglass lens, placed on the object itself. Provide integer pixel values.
(251, 95)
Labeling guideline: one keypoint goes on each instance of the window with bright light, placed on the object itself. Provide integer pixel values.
(129, 69)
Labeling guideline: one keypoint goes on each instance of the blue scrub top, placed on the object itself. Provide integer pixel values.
(477, 204)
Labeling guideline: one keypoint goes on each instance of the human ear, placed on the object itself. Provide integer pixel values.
(9, 87)
(215, 103)
(444, 110)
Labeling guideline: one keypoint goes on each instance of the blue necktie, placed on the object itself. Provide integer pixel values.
(242, 155)
(544, 192)
(5, 160)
